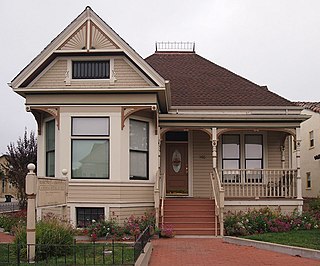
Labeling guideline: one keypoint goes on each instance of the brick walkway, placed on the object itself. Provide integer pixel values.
(5, 238)
(204, 251)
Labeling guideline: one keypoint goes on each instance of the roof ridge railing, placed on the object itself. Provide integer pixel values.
(175, 47)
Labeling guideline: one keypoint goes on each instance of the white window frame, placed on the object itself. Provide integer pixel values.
(311, 139)
(68, 80)
(90, 137)
(242, 150)
(308, 180)
(146, 152)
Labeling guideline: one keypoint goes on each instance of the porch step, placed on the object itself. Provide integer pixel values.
(190, 216)
(196, 231)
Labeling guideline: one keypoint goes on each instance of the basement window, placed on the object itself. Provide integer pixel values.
(91, 69)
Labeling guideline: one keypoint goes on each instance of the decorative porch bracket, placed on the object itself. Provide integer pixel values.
(126, 111)
(38, 115)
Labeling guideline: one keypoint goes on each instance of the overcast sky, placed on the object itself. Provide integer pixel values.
(270, 42)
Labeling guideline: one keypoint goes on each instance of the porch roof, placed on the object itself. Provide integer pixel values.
(235, 121)
(195, 81)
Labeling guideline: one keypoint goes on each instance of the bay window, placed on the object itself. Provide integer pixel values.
(90, 147)
(139, 149)
(50, 148)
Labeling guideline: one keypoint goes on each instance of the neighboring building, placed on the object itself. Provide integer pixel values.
(6, 187)
(133, 132)
(310, 150)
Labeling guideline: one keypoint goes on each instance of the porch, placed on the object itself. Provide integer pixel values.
(207, 173)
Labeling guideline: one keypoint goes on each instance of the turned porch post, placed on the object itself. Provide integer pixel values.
(214, 142)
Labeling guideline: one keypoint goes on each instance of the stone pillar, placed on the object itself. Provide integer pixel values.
(299, 182)
(31, 180)
(214, 147)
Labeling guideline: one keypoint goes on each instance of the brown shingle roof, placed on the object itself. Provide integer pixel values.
(195, 81)
(313, 106)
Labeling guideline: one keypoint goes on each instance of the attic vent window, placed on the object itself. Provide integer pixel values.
(91, 69)
(175, 47)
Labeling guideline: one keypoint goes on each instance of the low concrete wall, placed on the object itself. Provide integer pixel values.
(294, 251)
(144, 258)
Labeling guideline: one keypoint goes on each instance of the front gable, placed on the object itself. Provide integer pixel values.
(89, 38)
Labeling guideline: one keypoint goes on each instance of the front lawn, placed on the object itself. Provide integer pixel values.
(299, 238)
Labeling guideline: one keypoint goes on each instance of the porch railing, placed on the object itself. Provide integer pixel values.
(162, 197)
(157, 196)
(218, 195)
(259, 183)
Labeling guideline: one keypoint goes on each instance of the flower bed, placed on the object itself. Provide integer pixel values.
(267, 220)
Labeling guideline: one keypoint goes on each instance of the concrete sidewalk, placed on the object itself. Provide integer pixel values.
(213, 251)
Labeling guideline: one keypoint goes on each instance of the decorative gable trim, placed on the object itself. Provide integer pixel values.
(88, 37)
(71, 40)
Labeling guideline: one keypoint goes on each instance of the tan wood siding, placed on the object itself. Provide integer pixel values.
(110, 194)
(202, 164)
(126, 76)
(54, 77)
(120, 214)
(273, 149)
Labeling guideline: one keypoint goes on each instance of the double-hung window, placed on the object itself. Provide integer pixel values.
(139, 149)
(311, 139)
(50, 148)
(231, 158)
(253, 157)
(242, 151)
(90, 147)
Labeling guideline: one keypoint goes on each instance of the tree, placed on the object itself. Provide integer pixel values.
(18, 157)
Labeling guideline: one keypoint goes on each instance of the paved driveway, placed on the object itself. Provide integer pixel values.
(213, 251)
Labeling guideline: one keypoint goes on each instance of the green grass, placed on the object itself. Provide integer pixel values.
(83, 254)
(299, 238)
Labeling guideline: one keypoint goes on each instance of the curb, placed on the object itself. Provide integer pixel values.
(290, 250)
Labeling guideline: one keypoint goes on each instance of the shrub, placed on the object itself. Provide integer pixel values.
(314, 205)
(266, 220)
(167, 231)
(103, 228)
(54, 237)
(10, 220)
(135, 225)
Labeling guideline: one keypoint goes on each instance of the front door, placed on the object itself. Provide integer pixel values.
(177, 168)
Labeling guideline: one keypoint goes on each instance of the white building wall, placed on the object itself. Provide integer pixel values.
(308, 163)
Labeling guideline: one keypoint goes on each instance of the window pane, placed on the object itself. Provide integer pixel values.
(50, 163)
(230, 146)
(253, 146)
(138, 135)
(50, 126)
(90, 158)
(91, 126)
(253, 164)
(138, 164)
(177, 136)
(85, 216)
(230, 164)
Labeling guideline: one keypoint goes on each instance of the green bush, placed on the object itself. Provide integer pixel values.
(53, 237)
(314, 205)
(9, 221)
(266, 220)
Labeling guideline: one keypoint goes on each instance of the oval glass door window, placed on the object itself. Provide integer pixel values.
(176, 161)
